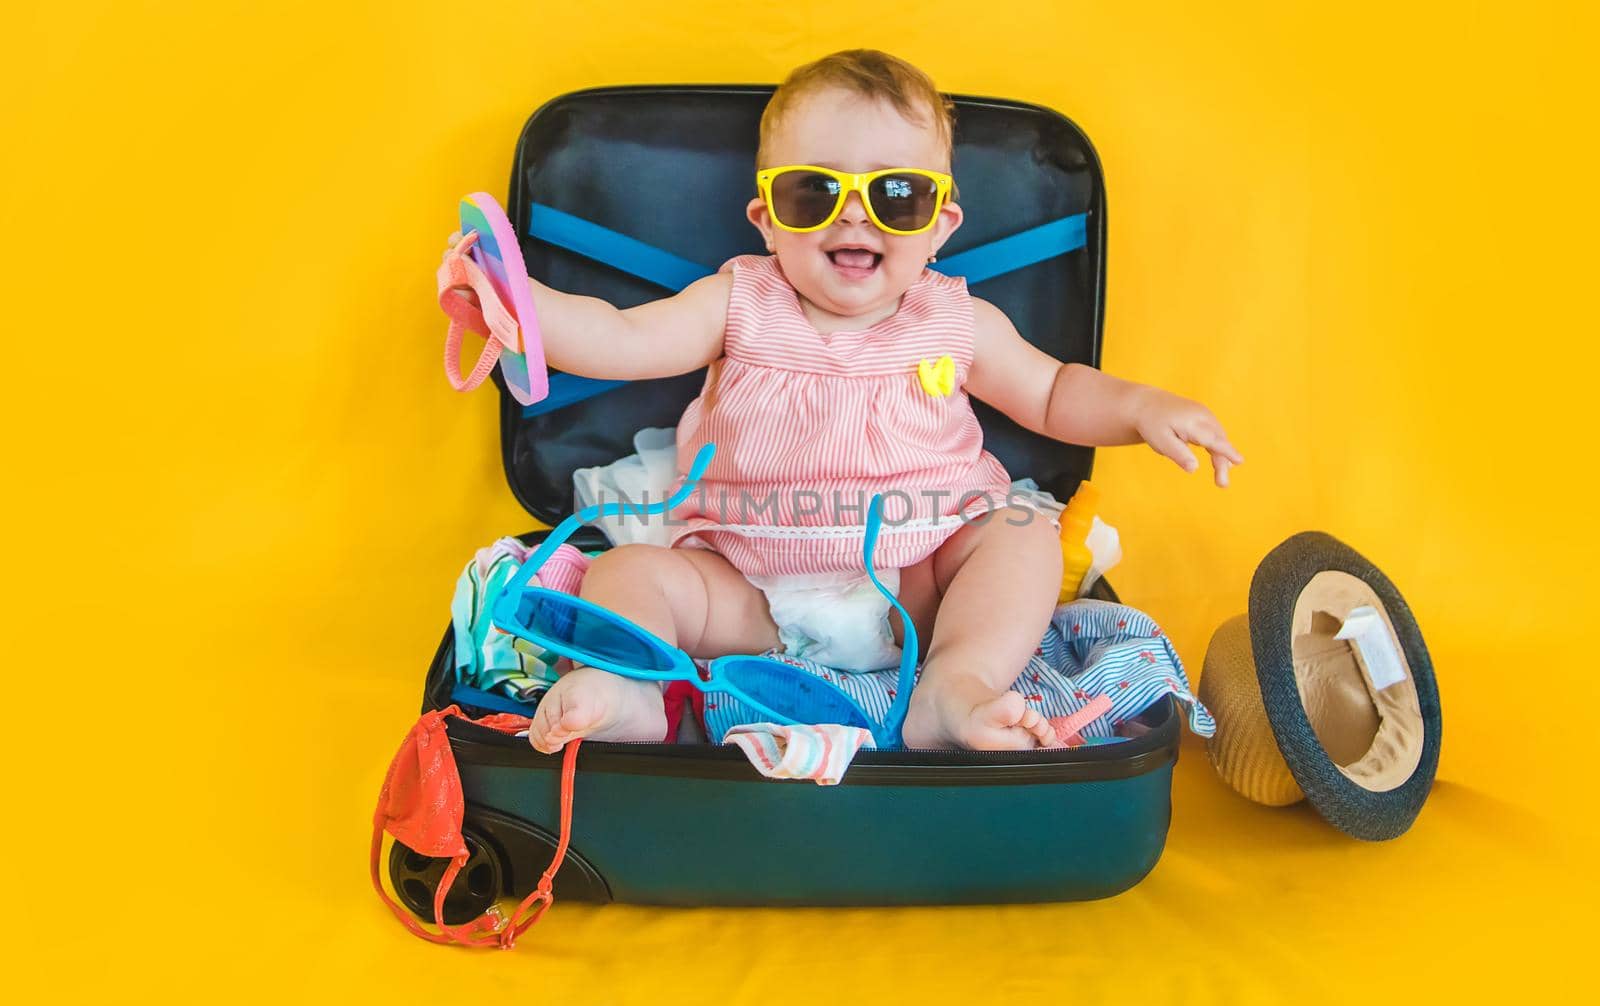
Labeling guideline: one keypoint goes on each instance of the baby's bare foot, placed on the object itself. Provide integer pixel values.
(967, 715)
(599, 705)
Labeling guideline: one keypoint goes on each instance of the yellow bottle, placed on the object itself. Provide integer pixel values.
(1076, 520)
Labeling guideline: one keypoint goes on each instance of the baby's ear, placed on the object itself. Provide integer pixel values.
(756, 213)
(950, 217)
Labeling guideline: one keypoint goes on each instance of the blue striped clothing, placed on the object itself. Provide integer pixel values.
(1090, 648)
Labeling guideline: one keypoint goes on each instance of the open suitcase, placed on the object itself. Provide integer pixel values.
(679, 824)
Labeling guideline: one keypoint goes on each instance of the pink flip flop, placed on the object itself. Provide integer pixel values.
(488, 261)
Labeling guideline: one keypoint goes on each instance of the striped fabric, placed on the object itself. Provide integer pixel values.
(1091, 649)
(1099, 648)
(497, 661)
(818, 753)
(809, 426)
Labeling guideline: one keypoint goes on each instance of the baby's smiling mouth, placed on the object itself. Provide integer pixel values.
(854, 262)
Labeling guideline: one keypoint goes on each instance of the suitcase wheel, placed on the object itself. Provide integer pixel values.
(416, 878)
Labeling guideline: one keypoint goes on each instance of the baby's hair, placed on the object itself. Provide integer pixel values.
(871, 74)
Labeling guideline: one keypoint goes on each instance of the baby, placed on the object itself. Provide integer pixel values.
(817, 396)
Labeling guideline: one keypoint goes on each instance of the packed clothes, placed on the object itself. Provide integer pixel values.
(1090, 649)
(1098, 667)
(492, 660)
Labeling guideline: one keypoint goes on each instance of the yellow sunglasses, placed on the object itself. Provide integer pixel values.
(804, 197)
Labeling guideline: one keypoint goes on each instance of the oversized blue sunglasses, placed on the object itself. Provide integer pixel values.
(592, 635)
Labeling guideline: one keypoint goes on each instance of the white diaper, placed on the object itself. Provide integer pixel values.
(647, 476)
(836, 619)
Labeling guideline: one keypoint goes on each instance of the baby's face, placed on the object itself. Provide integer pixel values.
(851, 269)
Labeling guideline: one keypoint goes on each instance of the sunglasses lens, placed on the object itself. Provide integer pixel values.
(904, 202)
(791, 691)
(590, 634)
(804, 198)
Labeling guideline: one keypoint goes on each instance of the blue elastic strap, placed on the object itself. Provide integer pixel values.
(567, 389)
(478, 698)
(619, 251)
(1036, 244)
(654, 265)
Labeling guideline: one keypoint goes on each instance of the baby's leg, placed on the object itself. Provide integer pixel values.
(998, 582)
(692, 598)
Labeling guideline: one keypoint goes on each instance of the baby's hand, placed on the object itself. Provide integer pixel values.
(465, 292)
(1169, 424)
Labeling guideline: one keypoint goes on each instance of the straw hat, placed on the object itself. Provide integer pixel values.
(1324, 691)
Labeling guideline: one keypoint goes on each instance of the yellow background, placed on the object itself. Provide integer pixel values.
(239, 490)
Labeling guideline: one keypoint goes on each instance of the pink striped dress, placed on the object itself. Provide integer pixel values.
(809, 426)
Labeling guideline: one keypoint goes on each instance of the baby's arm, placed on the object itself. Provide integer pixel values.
(591, 338)
(1081, 405)
(673, 335)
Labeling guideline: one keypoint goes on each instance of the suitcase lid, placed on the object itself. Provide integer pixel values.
(1017, 166)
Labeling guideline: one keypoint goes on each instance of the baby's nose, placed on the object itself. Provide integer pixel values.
(854, 212)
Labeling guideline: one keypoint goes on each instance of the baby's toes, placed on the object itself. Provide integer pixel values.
(1004, 710)
(1034, 722)
(566, 712)
(995, 726)
(545, 721)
